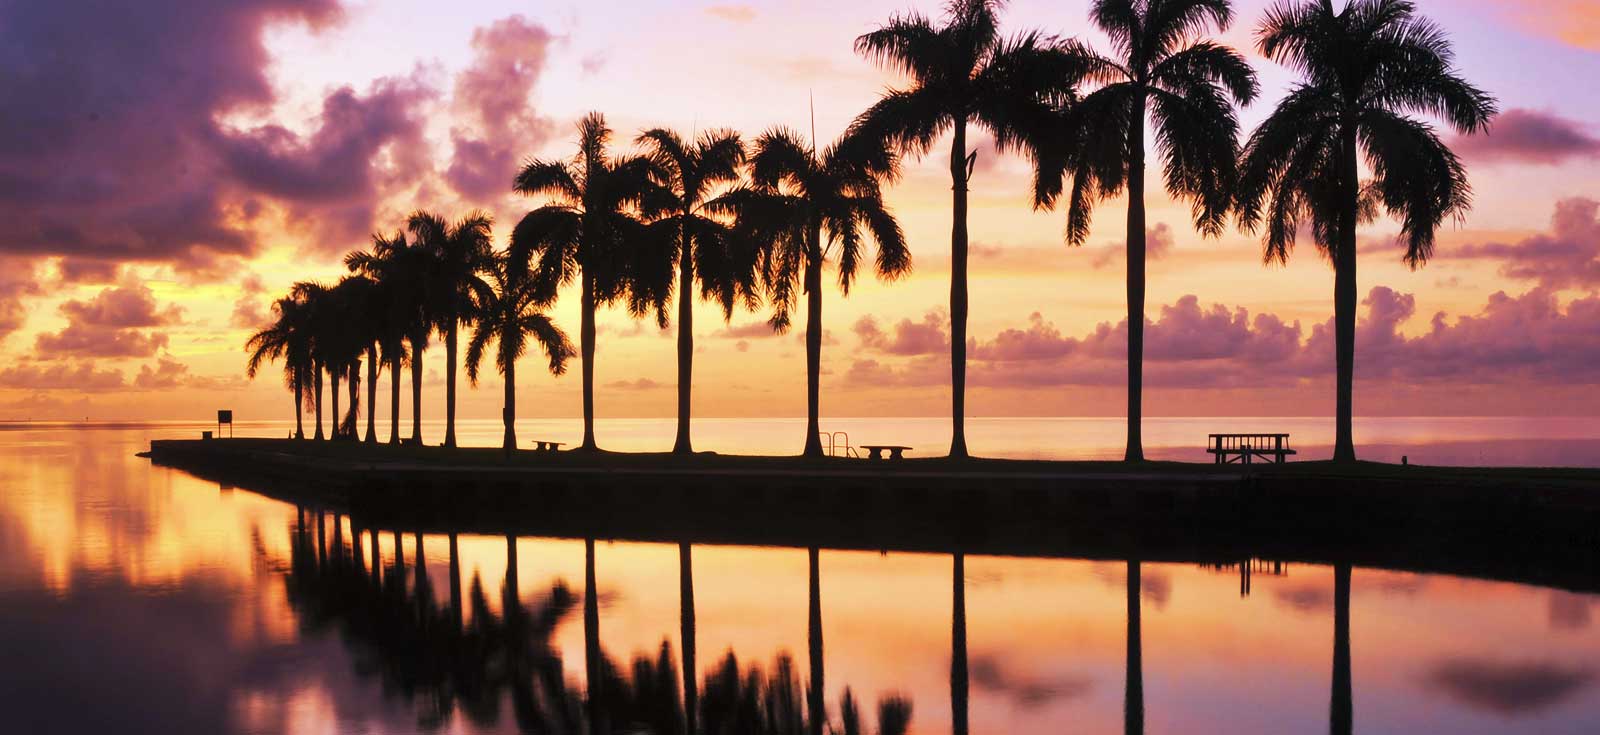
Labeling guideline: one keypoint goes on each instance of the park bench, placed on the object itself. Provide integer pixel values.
(875, 451)
(1246, 448)
(540, 445)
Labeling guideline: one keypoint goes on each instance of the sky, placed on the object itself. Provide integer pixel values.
(167, 168)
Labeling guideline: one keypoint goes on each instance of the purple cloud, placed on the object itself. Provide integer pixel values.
(1530, 136)
(926, 337)
(79, 377)
(492, 99)
(114, 323)
(1566, 256)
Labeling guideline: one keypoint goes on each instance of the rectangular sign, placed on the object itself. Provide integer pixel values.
(224, 417)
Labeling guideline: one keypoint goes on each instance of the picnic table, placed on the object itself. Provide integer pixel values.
(539, 445)
(875, 451)
(1245, 448)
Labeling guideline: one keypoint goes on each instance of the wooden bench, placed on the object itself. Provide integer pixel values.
(1246, 448)
(546, 446)
(875, 451)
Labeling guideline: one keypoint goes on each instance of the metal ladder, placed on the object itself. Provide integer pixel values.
(835, 449)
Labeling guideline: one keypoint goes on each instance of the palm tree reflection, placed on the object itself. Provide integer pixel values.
(1133, 697)
(1341, 717)
(427, 657)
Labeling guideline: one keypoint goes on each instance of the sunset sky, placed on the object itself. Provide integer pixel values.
(169, 167)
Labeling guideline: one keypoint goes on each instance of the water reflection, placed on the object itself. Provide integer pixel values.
(139, 599)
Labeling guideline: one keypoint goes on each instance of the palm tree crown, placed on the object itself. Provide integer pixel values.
(963, 72)
(1365, 71)
(288, 338)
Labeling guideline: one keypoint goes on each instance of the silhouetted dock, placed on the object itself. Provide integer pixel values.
(1539, 526)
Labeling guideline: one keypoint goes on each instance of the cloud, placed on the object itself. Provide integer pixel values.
(1510, 689)
(926, 337)
(1529, 136)
(752, 330)
(111, 145)
(131, 304)
(329, 180)
(248, 311)
(1567, 256)
(988, 674)
(79, 340)
(168, 374)
(635, 384)
(78, 377)
(1531, 338)
(492, 100)
(1574, 22)
(19, 279)
(732, 13)
(1158, 243)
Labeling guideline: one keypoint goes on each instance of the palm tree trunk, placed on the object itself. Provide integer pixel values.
(354, 409)
(1133, 690)
(455, 583)
(299, 403)
(586, 347)
(1344, 303)
(316, 385)
(814, 344)
(682, 444)
(372, 394)
(591, 645)
(817, 710)
(1136, 258)
(416, 393)
(1341, 714)
(958, 292)
(333, 375)
(509, 415)
(958, 647)
(394, 396)
(691, 691)
(450, 384)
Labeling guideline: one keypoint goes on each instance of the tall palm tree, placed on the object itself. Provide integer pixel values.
(349, 335)
(964, 74)
(796, 194)
(1366, 70)
(689, 174)
(389, 263)
(460, 250)
(590, 231)
(287, 338)
(508, 312)
(1187, 86)
(314, 296)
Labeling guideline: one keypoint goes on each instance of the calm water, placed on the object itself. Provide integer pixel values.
(141, 599)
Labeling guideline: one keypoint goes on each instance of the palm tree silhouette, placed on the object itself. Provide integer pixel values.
(1133, 688)
(590, 230)
(508, 313)
(395, 309)
(1365, 69)
(963, 73)
(688, 175)
(1341, 706)
(795, 195)
(314, 297)
(288, 338)
(460, 250)
(348, 332)
(1183, 83)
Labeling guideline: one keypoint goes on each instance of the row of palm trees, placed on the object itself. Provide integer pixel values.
(748, 226)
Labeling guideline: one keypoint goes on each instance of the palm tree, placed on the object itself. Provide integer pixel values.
(289, 339)
(508, 313)
(460, 250)
(1188, 87)
(1365, 71)
(351, 327)
(589, 230)
(963, 73)
(688, 174)
(796, 195)
(399, 312)
(314, 297)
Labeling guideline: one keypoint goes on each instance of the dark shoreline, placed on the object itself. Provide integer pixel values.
(1538, 526)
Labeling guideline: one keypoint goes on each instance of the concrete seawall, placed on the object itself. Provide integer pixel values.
(1534, 526)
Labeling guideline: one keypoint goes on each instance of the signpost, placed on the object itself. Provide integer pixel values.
(225, 417)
